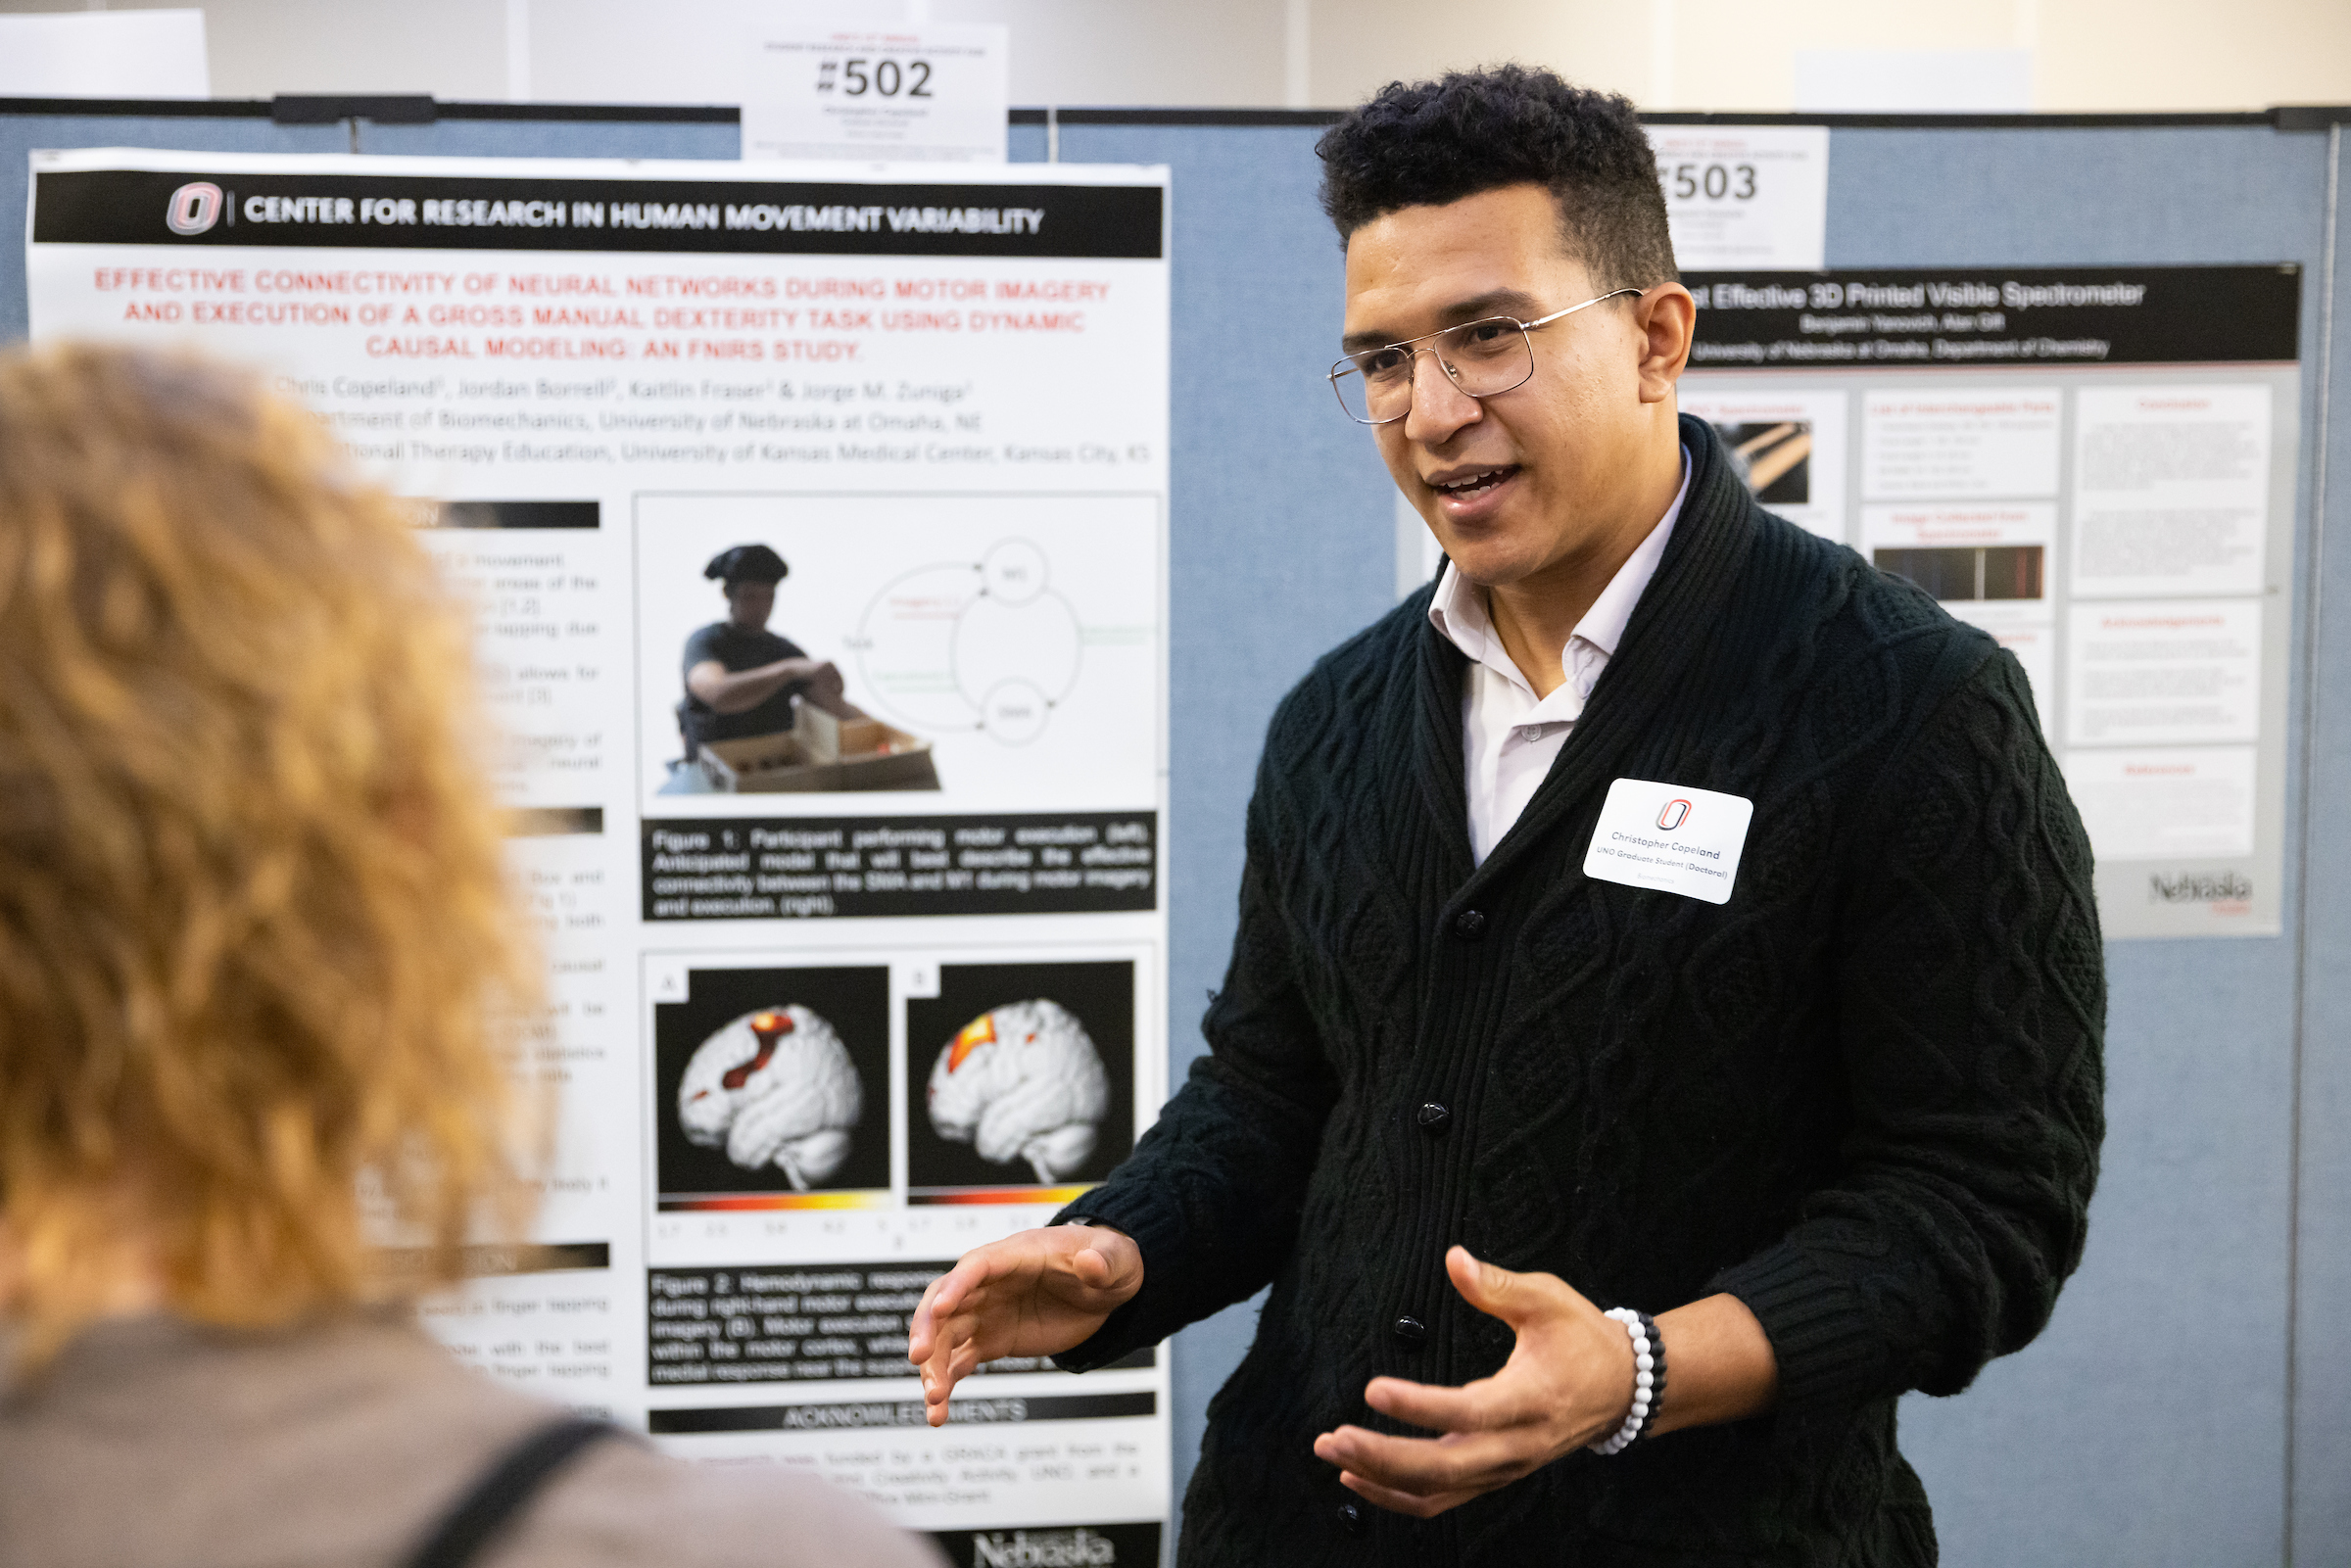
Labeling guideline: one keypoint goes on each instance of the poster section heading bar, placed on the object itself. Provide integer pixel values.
(489, 1262)
(750, 867)
(516, 513)
(411, 212)
(860, 1414)
(1952, 319)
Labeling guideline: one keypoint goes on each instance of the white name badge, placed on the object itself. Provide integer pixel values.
(1671, 838)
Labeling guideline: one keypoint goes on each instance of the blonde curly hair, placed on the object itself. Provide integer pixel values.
(254, 926)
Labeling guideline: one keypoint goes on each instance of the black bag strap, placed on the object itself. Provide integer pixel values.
(503, 1491)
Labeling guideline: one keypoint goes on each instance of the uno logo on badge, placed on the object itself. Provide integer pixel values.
(1675, 813)
(194, 208)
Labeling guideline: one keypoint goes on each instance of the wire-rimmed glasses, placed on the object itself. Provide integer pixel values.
(1481, 358)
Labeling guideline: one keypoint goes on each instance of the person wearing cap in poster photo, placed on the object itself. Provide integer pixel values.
(741, 677)
(1662, 912)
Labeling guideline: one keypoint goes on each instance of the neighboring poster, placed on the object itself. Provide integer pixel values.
(2097, 466)
(832, 1003)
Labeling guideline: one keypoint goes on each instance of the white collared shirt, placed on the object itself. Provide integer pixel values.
(1509, 737)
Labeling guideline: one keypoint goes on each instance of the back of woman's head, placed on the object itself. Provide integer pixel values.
(252, 917)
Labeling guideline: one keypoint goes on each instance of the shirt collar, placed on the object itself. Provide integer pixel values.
(1458, 609)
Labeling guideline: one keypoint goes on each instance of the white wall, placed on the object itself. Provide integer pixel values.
(1665, 54)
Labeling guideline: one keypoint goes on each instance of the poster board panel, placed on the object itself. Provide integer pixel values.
(785, 1022)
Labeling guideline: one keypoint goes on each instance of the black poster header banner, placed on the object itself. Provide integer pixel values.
(1952, 319)
(736, 217)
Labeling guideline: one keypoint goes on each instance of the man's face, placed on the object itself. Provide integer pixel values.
(1525, 478)
(749, 605)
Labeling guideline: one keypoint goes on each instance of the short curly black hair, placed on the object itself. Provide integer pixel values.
(1432, 142)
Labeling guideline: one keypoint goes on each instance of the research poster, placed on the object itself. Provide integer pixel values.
(2097, 466)
(839, 992)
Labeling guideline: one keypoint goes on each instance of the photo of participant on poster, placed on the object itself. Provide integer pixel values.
(994, 653)
(1021, 1081)
(771, 1087)
(760, 714)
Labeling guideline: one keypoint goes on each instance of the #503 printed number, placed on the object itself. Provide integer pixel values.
(1715, 182)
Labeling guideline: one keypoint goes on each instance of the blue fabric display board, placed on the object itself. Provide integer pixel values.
(2191, 1402)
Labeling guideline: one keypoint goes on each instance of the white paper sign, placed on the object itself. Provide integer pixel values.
(930, 93)
(1746, 196)
(1671, 838)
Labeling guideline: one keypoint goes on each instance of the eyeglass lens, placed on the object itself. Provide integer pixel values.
(1482, 359)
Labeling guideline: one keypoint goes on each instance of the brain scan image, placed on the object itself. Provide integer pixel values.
(775, 1087)
(1023, 1081)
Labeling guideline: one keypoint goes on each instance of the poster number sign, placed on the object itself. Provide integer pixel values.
(1742, 196)
(932, 93)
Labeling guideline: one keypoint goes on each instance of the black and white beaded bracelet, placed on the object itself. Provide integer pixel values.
(1649, 1378)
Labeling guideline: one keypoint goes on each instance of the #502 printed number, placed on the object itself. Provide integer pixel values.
(883, 79)
(1687, 182)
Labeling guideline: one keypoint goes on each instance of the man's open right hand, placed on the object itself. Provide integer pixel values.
(1038, 1292)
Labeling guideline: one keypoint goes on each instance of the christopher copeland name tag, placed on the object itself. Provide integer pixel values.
(1671, 838)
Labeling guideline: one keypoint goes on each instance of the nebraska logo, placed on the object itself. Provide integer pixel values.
(1676, 812)
(194, 208)
(1042, 1548)
(2199, 888)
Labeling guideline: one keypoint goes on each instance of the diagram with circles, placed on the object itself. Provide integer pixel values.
(985, 644)
(1018, 636)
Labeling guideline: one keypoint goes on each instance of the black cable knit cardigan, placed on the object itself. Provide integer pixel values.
(1864, 1096)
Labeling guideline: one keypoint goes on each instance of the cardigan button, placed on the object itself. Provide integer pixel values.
(1412, 1332)
(1435, 1121)
(1470, 926)
(1350, 1518)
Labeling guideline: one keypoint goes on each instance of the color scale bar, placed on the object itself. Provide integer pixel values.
(1055, 1196)
(733, 1203)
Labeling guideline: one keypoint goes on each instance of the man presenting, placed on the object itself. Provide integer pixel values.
(1664, 912)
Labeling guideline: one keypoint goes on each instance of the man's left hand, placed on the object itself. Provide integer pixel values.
(1569, 1383)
